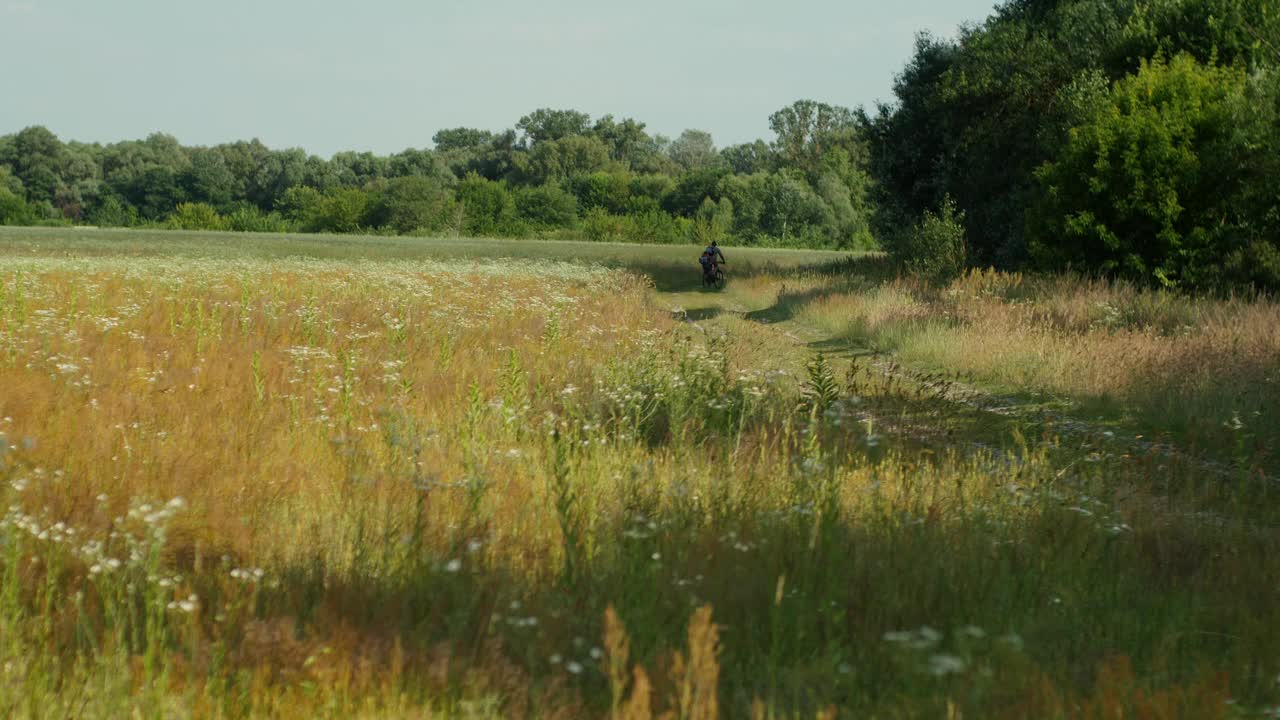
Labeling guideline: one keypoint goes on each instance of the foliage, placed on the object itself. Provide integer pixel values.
(487, 208)
(693, 150)
(933, 248)
(983, 118)
(1150, 186)
(196, 216)
(609, 163)
(650, 226)
(338, 211)
(547, 206)
(249, 218)
(113, 212)
(14, 210)
(412, 203)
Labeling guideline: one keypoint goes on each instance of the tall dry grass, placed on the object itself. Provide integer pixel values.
(1205, 372)
(289, 488)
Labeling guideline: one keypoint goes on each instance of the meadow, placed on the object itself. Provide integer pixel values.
(284, 476)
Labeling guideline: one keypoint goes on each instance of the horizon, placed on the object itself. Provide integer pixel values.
(388, 75)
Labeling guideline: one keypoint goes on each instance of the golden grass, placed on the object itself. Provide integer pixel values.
(300, 488)
(1206, 371)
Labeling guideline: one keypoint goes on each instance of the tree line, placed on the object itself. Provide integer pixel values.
(556, 173)
(1136, 138)
(1133, 138)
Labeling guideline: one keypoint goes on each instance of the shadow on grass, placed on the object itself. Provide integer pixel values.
(699, 314)
(669, 276)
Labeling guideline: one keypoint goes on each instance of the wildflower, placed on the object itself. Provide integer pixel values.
(940, 665)
(1013, 640)
(574, 667)
(453, 565)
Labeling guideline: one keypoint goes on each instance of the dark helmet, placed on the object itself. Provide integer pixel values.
(713, 244)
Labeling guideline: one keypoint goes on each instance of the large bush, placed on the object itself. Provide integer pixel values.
(487, 208)
(934, 247)
(14, 210)
(339, 211)
(250, 219)
(195, 216)
(412, 203)
(547, 207)
(1155, 184)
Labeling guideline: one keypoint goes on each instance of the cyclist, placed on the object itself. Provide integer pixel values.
(711, 257)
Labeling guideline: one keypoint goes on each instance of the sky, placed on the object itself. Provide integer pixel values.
(384, 75)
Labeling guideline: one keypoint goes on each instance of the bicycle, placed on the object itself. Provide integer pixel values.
(714, 280)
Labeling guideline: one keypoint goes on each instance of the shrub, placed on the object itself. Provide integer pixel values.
(547, 206)
(340, 211)
(112, 212)
(195, 216)
(251, 219)
(14, 210)
(1154, 185)
(487, 208)
(653, 226)
(410, 204)
(299, 204)
(934, 248)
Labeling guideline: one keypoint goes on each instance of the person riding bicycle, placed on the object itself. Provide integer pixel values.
(711, 258)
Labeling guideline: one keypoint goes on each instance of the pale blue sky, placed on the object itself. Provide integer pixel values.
(384, 75)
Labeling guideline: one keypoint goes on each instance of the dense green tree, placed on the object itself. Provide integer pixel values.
(155, 192)
(196, 216)
(461, 138)
(749, 158)
(35, 156)
(793, 214)
(299, 204)
(691, 189)
(746, 194)
(418, 163)
(356, 170)
(412, 203)
(209, 179)
(488, 209)
(248, 218)
(14, 210)
(608, 190)
(112, 211)
(339, 211)
(558, 160)
(547, 206)
(693, 150)
(547, 124)
(807, 130)
(1225, 32)
(1151, 185)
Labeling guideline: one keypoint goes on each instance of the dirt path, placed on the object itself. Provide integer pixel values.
(933, 409)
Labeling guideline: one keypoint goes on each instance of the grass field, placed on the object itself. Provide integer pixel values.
(262, 476)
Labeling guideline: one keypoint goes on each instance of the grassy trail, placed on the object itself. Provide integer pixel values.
(965, 416)
(401, 477)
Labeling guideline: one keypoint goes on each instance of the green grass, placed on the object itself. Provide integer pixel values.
(450, 458)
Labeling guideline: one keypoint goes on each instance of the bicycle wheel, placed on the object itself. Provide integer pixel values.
(719, 281)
